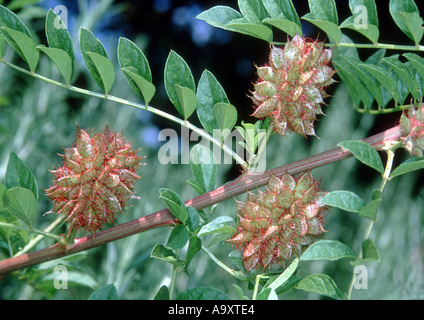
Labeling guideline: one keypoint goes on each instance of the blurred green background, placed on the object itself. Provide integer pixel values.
(37, 119)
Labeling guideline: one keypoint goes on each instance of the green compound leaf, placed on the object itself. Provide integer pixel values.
(330, 250)
(202, 294)
(90, 44)
(22, 203)
(321, 284)
(412, 164)
(283, 16)
(105, 70)
(19, 175)
(175, 204)
(209, 92)
(23, 45)
(62, 61)
(345, 200)
(363, 152)
(107, 292)
(136, 68)
(324, 15)
(162, 253)
(10, 20)
(178, 237)
(406, 15)
(364, 19)
(58, 37)
(178, 72)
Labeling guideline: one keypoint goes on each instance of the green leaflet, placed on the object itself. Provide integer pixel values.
(10, 20)
(177, 72)
(283, 16)
(202, 294)
(324, 15)
(412, 164)
(364, 153)
(23, 45)
(364, 19)
(321, 284)
(345, 200)
(96, 60)
(136, 68)
(406, 15)
(22, 203)
(330, 250)
(209, 92)
(62, 61)
(19, 175)
(107, 292)
(59, 38)
(203, 167)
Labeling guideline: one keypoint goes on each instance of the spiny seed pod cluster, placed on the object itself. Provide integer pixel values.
(412, 126)
(95, 181)
(290, 89)
(276, 224)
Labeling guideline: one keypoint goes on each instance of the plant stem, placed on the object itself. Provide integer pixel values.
(165, 218)
(163, 114)
(238, 274)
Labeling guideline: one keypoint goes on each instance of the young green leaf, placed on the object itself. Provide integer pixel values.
(370, 210)
(107, 292)
(194, 246)
(23, 45)
(321, 284)
(364, 153)
(406, 15)
(59, 38)
(256, 30)
(282, 278)
(178, 72)
(330, 250)
(136, 69)
(90, 44)
(412, 164)
(220, 16)
(203, 167)
(19, 175)
(202, 294)
(283, 16)
(324, 15)
(178, 237)
(364, 19)
(175, 204)
(345, 200)
(209, 92)
(22, 203)
(187, 99)
(62, 61)
(10, 20)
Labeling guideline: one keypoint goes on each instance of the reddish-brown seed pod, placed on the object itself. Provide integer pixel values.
(290, 89)
(275, 225)
(412, 125)
(95, 180)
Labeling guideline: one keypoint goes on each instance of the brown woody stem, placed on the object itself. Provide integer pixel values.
(165, 217)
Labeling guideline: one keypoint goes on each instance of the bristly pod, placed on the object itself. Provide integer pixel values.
(291, 88)
(412, 126)
(276, 225)
(95, 180)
